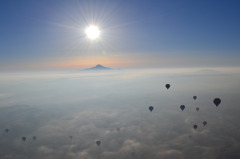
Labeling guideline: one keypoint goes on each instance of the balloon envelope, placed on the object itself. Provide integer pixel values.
(194, 97)
(217, 101)
(204, 123)
(24, 138)
(197, 109)
(151, 108)
(98, 143)
(167, 86)
(182, 107)
(195, 127)
(6, 130)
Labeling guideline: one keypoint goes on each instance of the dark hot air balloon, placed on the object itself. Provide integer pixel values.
(204, 123)
(182, 107)
(24, 138)
(6, 130)
(151, 108)
(34, 138)
(194, 97)
(197, 109)
(98, 143)
(167, 86)
(195, 127)
(217, 101)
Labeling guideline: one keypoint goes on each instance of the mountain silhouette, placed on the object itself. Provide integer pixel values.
(98, 67)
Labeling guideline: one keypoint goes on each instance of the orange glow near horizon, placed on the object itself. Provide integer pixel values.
(115, 60)
(86, 62)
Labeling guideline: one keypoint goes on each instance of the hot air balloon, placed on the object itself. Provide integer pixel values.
(197, 109)
(217, 101)
(151, 108)
(195, 127)
(6, 130)
(70, 137)
(182, 107)
(167, 86)
(194, 97)
(34, 137)
(98, 143)
(24, 138)
(204, 123)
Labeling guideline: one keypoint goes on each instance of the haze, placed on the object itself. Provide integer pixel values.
(112, 106)
(52, 106)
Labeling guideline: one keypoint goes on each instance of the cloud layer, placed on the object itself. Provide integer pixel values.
(68, 114)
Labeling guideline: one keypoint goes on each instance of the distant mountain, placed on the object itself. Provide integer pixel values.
(98, 67)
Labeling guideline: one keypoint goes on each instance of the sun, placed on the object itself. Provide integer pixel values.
(92, 32)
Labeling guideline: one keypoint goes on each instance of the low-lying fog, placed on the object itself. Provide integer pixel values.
(69, 111)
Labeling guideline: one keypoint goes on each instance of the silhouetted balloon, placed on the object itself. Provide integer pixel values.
(34, 137)
(167, 86)
(98, 143)
(195, 127)
(182, 107)
(197, 109)
(70, 136)
(204, 123)
(217, 101)
(24, 138)
(194, 97)
(118, 129)
(151, 108)
(6, 130)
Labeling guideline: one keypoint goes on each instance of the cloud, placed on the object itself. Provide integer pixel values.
(5, 95)
(118, 116)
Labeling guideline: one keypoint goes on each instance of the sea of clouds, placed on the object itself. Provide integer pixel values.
(69, 111)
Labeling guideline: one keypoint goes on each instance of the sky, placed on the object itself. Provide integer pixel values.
(113, 107)
(191, 45)
(49, 35)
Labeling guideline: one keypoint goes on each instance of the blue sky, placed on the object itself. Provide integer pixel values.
(134, 33)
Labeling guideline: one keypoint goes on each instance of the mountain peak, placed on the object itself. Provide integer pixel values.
(98, 67)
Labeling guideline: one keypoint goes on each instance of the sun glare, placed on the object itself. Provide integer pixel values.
(92, 32)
